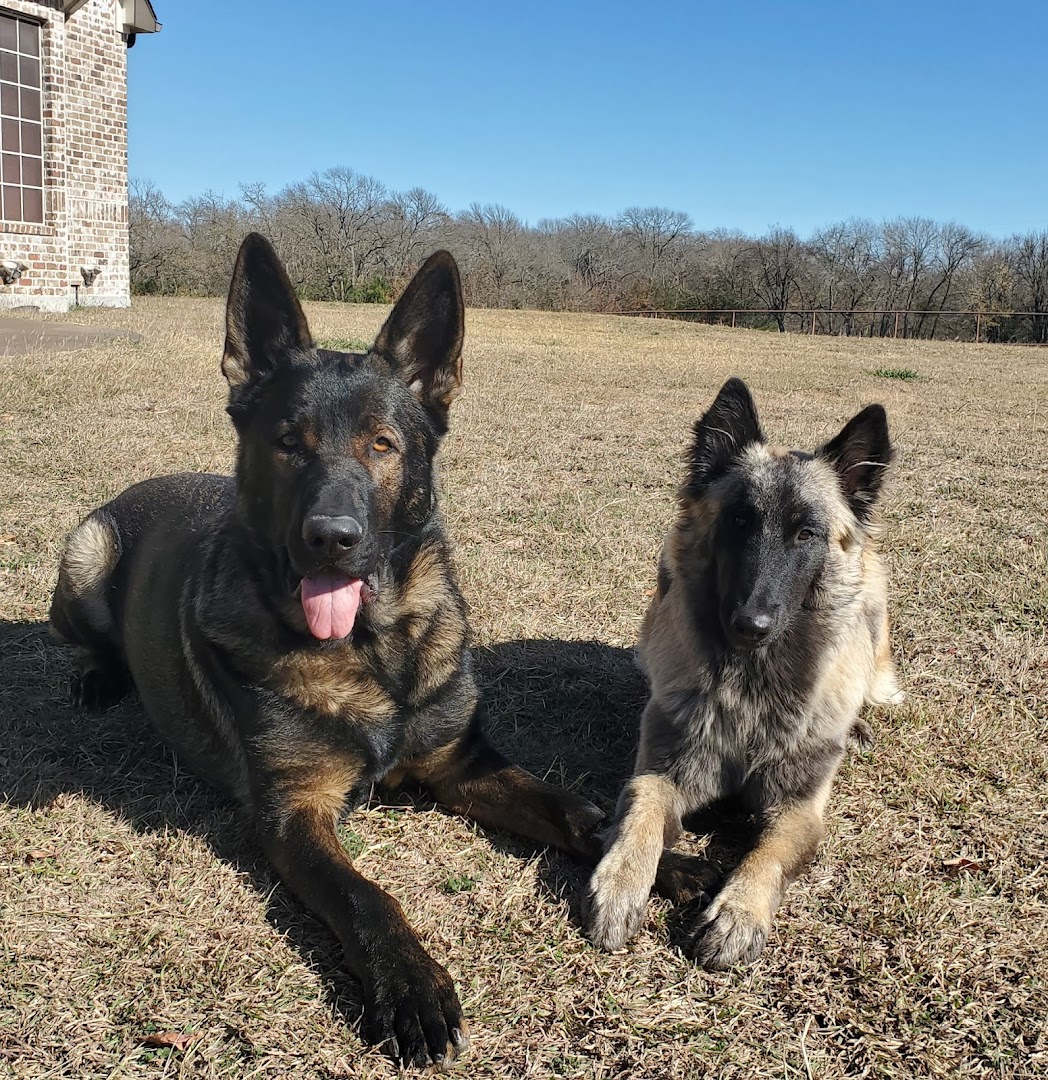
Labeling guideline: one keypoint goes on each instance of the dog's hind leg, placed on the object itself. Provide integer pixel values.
(735, 927)
(101, 680)
(80, 614)
(647, 822)
(472, 778)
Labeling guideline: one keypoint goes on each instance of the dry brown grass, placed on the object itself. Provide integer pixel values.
(147, 908)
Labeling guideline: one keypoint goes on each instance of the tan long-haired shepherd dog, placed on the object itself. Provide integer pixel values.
(767, 635)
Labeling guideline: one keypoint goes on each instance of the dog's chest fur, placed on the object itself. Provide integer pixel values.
(739, 737)
(368, 693)
(741, 724)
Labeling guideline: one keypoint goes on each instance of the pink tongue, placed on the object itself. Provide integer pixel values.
(330, 602)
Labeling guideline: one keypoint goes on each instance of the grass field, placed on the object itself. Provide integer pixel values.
(133, 901)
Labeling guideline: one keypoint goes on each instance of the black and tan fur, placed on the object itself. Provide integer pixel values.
(767, 635)
(188, 586)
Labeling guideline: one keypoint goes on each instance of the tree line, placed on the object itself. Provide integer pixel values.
(346, 237)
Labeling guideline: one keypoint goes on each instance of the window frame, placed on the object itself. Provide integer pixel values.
(22, 143)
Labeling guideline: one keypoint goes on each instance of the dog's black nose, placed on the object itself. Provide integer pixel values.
(753, 625)
(331, 536)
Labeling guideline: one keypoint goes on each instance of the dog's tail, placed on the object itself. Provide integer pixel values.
(80, 614)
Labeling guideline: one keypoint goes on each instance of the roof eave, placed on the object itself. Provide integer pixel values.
(139, 17)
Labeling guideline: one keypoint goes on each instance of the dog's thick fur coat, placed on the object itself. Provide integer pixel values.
(767, 634)
(296, 633)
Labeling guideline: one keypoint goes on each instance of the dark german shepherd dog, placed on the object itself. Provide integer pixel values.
(767, 634)
(295, 632)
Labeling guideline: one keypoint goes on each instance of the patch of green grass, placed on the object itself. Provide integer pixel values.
(344, 344)
(457, 883)
(906, 374)
(352, 841)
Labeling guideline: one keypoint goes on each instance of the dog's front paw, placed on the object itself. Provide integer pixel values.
(582, 824)
(412, 1011)
(614, 905)
(730, 934)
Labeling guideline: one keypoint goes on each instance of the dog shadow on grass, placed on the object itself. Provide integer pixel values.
(566, 710)
(48, 747)
(569, 712)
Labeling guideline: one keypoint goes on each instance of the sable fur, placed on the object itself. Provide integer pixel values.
(188, 585)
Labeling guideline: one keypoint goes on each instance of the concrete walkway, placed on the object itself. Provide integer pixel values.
(18, 336)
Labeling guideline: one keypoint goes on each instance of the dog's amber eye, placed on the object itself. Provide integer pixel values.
(382, 445)
(804, 535)
(289, 440)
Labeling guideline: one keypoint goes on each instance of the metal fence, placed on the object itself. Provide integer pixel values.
(894, 323)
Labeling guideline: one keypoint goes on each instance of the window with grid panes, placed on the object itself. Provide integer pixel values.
(21, 134)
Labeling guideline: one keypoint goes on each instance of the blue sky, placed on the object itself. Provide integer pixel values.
(744, 115)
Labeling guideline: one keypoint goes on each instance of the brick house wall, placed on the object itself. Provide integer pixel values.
(83, 109)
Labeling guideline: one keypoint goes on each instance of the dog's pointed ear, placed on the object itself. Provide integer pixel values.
(264, 320)
(422, 338)
(861, 454)
(727, 427)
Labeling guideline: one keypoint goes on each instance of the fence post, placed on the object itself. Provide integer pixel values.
(896, 334)
(978, 325)
(813, 322)
(733, 320)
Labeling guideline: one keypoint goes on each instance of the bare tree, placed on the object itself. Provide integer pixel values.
(725, 274)
(591, 250)
(491, 236)
(334, 220)
(958, 247)
(844, 261)
(656, 236)
(343, 236)
(1031, 271)
(991, 289)
(159, 248)
(777, 265)
(411, 221)
(213, 227)
(909, 248)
